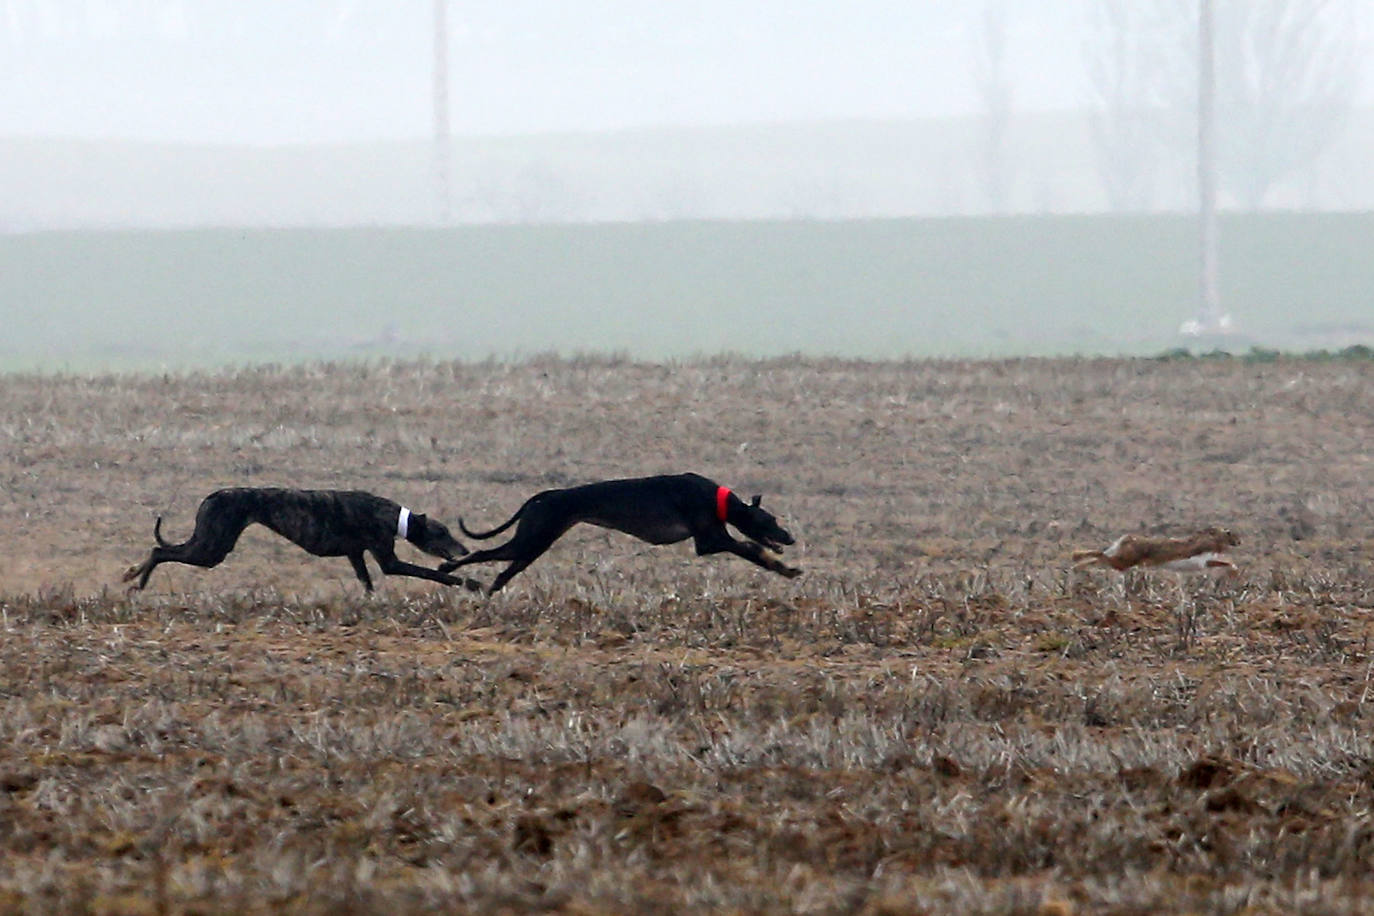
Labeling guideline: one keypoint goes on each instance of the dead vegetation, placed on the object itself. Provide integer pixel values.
(941, 716)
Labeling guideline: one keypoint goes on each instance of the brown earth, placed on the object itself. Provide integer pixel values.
(940, 716)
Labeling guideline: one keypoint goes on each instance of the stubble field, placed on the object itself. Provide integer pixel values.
(939, 716)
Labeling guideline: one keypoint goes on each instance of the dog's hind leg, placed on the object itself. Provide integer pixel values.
(214, 537)
(181, 553)
(191, 553)
(140, 572)
(496, 554)
(510, 572)
(521, 550)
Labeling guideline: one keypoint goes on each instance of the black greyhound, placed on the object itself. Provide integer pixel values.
(660, 510)
(327, 523)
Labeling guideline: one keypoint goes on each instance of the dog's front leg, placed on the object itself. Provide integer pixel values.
(360, 568)
(753, 552)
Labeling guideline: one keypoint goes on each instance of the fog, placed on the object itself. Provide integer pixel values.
(227, 115)
(306, 71)
(307, 112)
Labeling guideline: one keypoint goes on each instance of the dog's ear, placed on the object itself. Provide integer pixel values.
(418, 521)
(758, 498)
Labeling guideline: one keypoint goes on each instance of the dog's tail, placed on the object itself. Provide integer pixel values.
(483, 535)
(157, 533)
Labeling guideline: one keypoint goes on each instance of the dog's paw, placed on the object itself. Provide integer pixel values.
(790, 572)
(131, 574)
(472, 585)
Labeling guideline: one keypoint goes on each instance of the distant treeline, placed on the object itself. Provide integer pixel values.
(824, 170)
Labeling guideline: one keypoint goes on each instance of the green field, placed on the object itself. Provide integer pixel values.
(873, 288)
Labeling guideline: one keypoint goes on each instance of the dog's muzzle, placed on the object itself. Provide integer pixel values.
(450, 551)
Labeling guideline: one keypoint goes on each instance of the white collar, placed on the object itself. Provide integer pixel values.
(403, 523)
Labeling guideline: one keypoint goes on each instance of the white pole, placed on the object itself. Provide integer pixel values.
(1210, 317)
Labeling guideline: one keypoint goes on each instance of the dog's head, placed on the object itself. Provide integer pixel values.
(433, 538)
(758, 524)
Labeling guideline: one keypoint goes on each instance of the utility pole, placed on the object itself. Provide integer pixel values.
(1210, 319)
(441, 133)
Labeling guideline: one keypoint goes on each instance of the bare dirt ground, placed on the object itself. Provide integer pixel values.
(939, 716)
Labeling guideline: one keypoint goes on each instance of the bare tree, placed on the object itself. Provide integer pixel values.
(1264, 84)
(1287, 74)
(994, 91)
(1123, 55)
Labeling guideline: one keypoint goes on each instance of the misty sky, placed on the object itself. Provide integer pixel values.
(288, 71)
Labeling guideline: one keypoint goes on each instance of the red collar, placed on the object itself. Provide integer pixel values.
(722, 502)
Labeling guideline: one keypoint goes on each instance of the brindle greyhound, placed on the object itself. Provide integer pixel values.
(327, 523)
(660, 510)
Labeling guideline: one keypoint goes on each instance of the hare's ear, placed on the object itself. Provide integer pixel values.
(755, 501)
